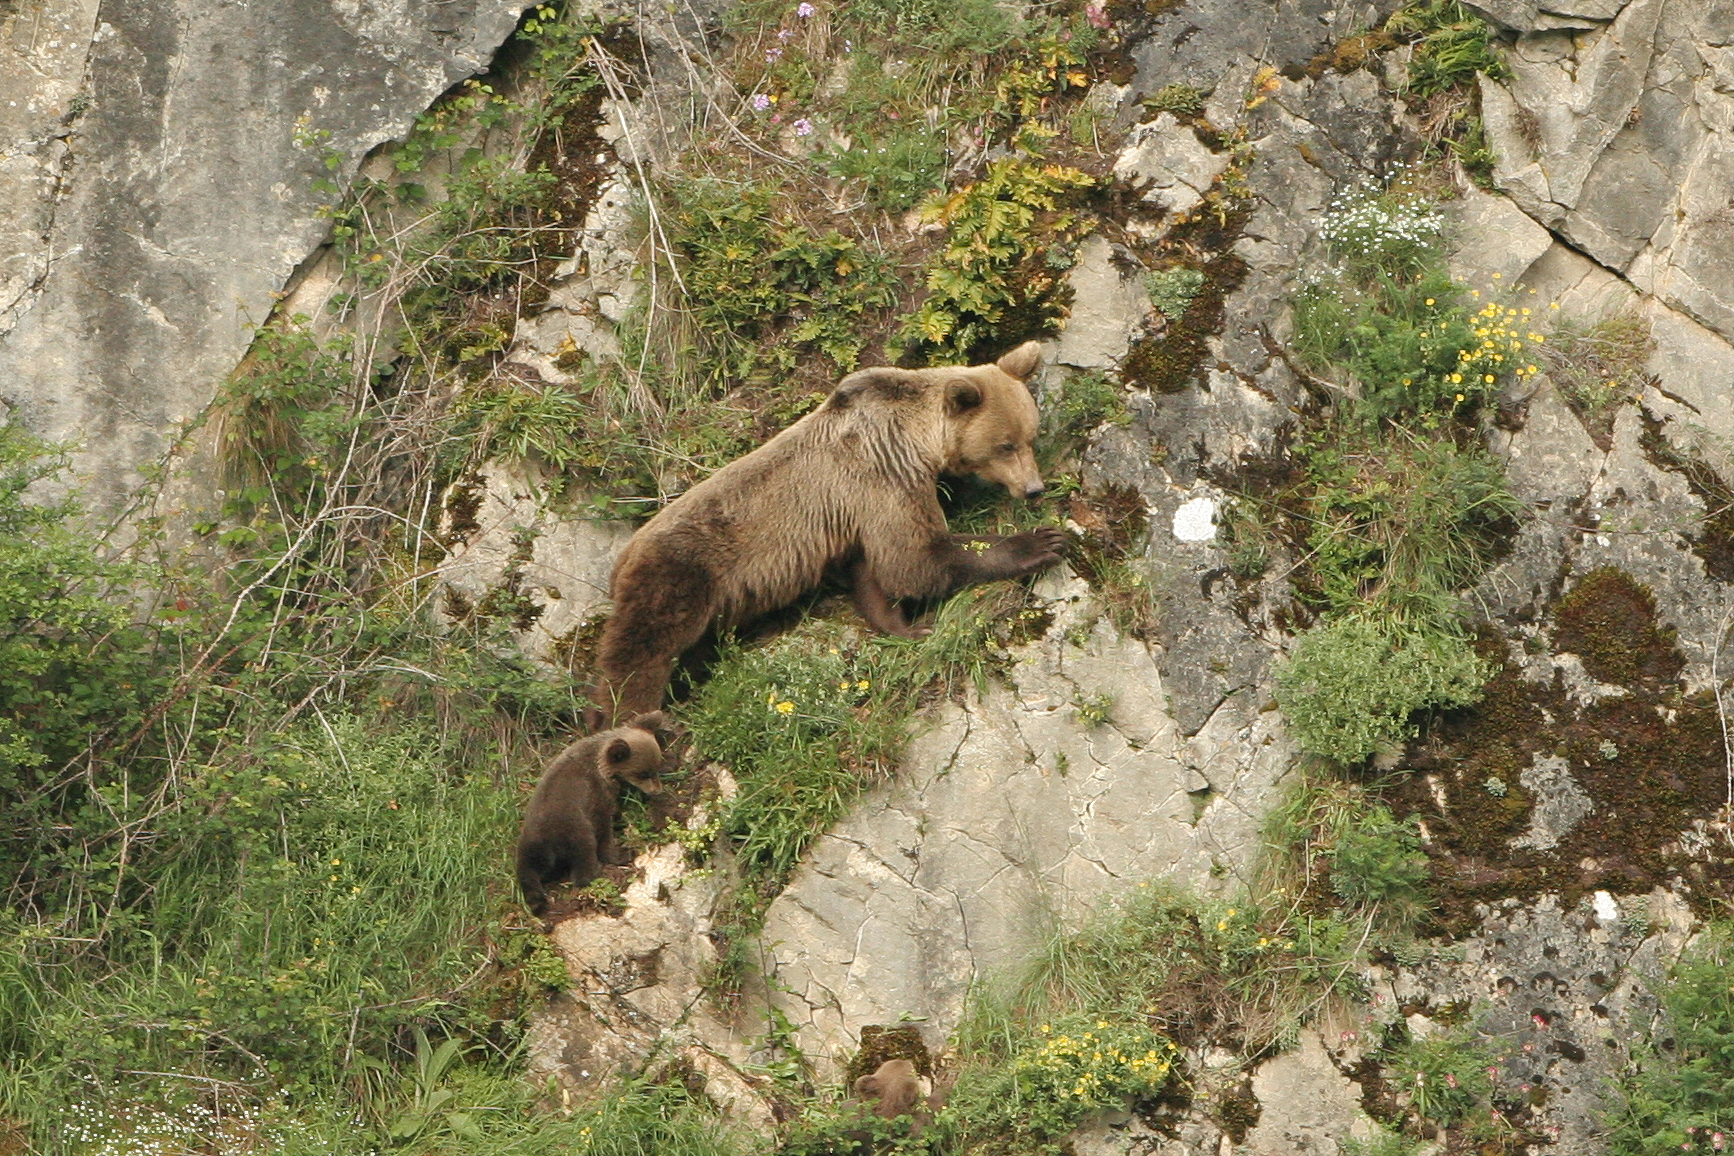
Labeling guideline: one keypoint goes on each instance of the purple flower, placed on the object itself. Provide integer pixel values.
(785, 34)
(803, 127)
(760, 102)
(772, 55)
(805, 11)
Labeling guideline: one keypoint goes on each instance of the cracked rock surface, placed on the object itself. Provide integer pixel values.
(1009, 815)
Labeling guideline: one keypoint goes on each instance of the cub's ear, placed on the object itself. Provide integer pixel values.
(1022, 361)
(867, 1085)
(653, 721)
(883, 380)
(619, 751)
(961, 397)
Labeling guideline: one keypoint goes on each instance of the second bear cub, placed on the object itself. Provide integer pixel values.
(568, 831)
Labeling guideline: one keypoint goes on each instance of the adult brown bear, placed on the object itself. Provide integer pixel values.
(850, 485)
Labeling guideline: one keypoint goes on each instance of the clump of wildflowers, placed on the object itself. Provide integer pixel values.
(1070, 1068)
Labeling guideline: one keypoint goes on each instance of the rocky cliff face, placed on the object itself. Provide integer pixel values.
(142, 260)
(161, 189)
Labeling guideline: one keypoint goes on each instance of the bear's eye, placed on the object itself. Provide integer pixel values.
(1008, 447)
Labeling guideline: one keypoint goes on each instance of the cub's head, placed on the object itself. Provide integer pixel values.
(631, 753)
(991, 421)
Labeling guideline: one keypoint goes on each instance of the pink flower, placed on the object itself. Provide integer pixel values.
(1716, 1141)
(803, 127)
(805, 11)
(772, 55)
(785, 34)
(1451, 1079)
(1349, 1037)
(760, 102)
(1540, 1020)
(1096, 13)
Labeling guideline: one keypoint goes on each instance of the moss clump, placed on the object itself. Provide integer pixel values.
(1172, 361)
(1609, 621)
(1666, 769)
(880, 1043)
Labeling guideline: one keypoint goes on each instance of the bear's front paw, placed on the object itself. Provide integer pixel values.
(1037, 549)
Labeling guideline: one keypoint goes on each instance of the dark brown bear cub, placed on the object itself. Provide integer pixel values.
(850, 486)
(568, 831)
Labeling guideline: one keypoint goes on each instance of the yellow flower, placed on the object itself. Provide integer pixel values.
(863, 685)
(1553, 304)
(1456, 377)
(1488, 379)
(1496, 276)
(785, 707)
(1459, 398)
(1429, 301)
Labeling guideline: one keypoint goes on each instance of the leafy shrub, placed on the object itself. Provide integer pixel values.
(1008, 242)
(1377, 861)
(56, 606)
(1682, 1099)
(1443, 1076)
(1351, 688)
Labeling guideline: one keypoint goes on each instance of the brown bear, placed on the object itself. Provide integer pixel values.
(897, 1087)
(568, 831)
(851, 486)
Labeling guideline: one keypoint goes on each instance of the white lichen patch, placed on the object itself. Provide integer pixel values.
(1195, 521)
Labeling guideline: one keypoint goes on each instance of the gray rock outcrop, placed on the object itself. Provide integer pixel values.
(162, 166)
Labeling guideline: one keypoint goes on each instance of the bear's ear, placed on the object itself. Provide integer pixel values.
(961, 397)
(619, 751)
(1022, 361)
(867, 1086)
(653, 721)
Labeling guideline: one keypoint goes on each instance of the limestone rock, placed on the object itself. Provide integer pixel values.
(165, 190)
(1007, 815)
(1109, 306)
(1165, 161)
(560, 563)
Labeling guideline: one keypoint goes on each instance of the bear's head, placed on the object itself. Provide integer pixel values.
(633, 755)
(991, 421)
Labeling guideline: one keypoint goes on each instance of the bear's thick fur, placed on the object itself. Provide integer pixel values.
(850, 485)
(568, 831)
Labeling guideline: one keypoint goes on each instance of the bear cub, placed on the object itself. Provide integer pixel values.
(899, 1090)
(568, 831)
(850, 489)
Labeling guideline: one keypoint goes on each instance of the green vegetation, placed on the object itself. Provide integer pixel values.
(1599, 367)
(1337, 835)
(1001, 272)
(1679, 1096)
(1399, 506)
(243, 858)
(805, 722)
(1172, 291)
(1452, 47)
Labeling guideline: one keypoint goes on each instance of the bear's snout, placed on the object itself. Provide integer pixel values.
(1034, 489)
